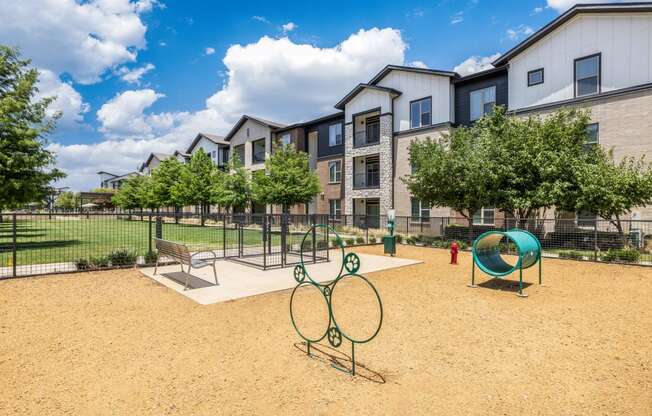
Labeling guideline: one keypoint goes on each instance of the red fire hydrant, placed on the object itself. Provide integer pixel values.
(454, 250)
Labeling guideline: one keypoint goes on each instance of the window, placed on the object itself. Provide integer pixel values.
(586, 219)
(535, 77)
(587, 75)
(286, 139)
(239, 152)
(224, 152)
(335, 134)
(335, 208)
(420, 113)
(258, 151)
(214, 156)
(486, 216)
(335, 171)
(420, 212)
(592, 134)
(482, 102)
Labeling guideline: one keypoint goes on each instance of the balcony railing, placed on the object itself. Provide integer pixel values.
(366, 180)
(364, 138)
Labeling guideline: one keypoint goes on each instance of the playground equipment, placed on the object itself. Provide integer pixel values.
(348, 270)
(487, 254)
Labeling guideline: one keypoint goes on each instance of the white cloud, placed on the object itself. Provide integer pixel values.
(133, 75)
(268, 78)
(209, 51)
(457, 18)
(289, 27)
(563, 5)
(68, 101)
(475, 64)
(536, 10)
(418, 64)
(261, 19)
(122, 116)
(81, 38)
(520, 32)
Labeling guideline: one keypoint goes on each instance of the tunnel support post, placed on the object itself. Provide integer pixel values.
(473, 276)
(520, 283)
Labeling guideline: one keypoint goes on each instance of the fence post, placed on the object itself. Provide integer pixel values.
(159, 227)
(265, 247)
(14, 244)
(314, 239)
(149, 240)
(224, 235)
(366, 228)
(595, 240)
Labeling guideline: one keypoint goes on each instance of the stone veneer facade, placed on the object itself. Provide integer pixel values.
(384, 150)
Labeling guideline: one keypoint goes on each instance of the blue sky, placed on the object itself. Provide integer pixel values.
(138, 76)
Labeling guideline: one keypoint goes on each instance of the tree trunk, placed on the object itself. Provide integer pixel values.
(621, 232)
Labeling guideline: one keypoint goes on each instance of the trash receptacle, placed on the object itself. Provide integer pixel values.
(389, 243)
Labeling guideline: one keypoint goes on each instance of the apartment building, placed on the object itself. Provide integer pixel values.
(382, 117)
(594, 56)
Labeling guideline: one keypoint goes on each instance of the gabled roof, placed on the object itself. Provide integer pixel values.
(563, 18)
(210, 137)
(108, 173)
(359, 88)
(159, 156)
(390, 68)
(480, 74)
(180, 153)
(271, 124)
(123, 176)
(313, 121)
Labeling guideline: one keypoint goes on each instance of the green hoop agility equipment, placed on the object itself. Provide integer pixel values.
(487, 256)
(348, 270)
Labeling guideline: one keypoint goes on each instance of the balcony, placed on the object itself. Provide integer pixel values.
(366, 180)
(369, 134)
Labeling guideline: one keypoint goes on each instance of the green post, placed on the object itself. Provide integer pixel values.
(149, 240)
(14, 244)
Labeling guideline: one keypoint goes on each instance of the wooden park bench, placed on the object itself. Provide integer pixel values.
(179, 252)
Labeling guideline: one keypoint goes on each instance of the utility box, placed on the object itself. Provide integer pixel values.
(389, 244)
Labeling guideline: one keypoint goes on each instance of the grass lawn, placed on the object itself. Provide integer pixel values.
(64, 239)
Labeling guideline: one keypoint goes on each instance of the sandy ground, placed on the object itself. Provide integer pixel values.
(117, 343)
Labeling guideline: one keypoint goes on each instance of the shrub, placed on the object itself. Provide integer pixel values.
(571, 254)
(626, 255)
(410, 240)
(151, 257)
(399, 238)
(350, 241)
(122, 257)
(322, 244)
(98, 262)
(82, 264)
(335, 242)
(359, 240)
(306, 245)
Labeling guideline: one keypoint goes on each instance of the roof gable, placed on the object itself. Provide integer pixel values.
(210, 137)
(361, 87)
(271, 124)
(568, 15)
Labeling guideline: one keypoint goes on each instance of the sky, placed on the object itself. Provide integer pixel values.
(141, 76)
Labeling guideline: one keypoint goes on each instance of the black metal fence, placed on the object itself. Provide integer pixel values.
(43, 243)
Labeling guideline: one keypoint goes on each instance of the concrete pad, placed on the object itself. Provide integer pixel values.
(237, 280)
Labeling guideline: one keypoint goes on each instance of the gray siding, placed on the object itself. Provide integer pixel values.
(463, 89)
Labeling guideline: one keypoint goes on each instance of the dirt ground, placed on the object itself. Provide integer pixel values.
(117, 343)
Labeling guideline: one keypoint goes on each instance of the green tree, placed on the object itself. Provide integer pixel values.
(25, 165)
(449, 172)
(287, 180)
(612, 189)
(67, 200)
(146, 193)
(519, 165)
(165, 178)
(195, 182)
(532, 160)
(232, 189)
(129, 195)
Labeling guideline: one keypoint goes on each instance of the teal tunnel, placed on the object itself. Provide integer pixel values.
(486, 251)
